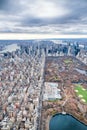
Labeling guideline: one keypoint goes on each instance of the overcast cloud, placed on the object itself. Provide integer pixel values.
(43, 16)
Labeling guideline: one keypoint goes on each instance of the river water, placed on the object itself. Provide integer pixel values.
(65, 122)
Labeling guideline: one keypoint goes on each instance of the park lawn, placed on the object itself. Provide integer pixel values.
(67, 61)
(55, 78)
(54, 100)
(82, 92)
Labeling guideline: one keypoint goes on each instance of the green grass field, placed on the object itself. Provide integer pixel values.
(81, 92)
(55, 78)
(67, 61)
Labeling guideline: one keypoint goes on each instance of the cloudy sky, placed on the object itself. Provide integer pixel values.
(43, 16)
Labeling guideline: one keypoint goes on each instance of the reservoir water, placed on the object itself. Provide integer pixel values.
(81, 71)
(65, 122)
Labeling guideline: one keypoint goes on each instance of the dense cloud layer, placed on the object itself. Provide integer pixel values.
(43, 16)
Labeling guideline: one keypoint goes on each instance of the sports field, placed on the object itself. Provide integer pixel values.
(81, 92)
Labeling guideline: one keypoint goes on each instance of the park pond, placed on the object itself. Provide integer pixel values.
(81, 71)
(66, 122)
